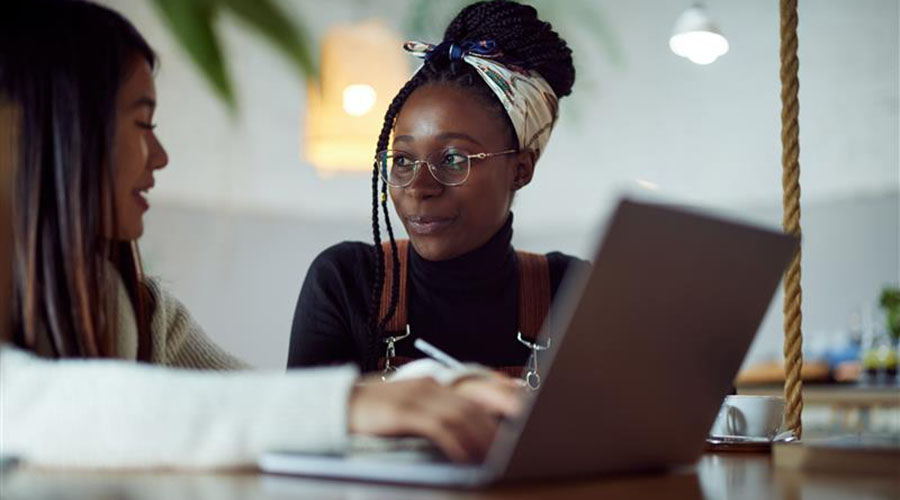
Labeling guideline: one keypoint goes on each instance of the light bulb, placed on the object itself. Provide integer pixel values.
(358, 99)
(701, 47)
(648, 185)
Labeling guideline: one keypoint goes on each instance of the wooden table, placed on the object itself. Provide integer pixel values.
(723, 475)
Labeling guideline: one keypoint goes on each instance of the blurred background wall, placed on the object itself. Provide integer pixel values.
(239, 214)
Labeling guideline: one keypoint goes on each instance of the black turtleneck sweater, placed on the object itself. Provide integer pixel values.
(466, 306)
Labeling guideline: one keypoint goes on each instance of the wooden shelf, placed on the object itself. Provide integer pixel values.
(834, 394)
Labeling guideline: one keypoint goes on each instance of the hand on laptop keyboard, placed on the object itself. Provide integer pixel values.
(498, 394)
(460, 420)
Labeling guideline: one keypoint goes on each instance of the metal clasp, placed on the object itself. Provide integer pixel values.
(533, 375)
(391, 352)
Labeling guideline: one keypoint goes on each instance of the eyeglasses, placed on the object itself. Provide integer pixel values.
(448, 166)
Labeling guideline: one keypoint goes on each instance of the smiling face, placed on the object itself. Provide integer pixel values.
(138, 153)
(445, 222)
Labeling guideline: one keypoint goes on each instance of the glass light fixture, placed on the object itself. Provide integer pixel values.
(362, 66)
(697, 37)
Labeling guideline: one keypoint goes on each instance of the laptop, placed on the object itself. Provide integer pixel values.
(646, 344)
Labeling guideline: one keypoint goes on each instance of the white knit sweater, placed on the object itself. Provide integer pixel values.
(119, 414)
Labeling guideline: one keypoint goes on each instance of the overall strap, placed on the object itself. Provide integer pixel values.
(534, 293)
(398, 321)
(534, 297)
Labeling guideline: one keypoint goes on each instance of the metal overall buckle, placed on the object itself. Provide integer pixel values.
(391, 352)
(533, 375)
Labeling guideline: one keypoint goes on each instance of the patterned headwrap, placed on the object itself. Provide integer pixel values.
(529, 100)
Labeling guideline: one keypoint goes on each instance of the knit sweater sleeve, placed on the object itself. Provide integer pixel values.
(112, 413)
(178, 340)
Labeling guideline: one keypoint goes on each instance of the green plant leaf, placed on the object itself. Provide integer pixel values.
(890, 301)
(272, 23)
(191, 22)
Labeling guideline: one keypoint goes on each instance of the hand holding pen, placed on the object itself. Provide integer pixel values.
(500, 394)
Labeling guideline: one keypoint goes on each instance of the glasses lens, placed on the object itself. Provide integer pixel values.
(396, 167)
(451, 166)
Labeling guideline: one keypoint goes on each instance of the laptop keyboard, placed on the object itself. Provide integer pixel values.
(399, 449)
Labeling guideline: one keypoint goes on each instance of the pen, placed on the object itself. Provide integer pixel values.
(437, 354)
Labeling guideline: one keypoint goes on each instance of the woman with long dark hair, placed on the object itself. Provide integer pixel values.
(87, 159)
(459, 140)
(76, 89)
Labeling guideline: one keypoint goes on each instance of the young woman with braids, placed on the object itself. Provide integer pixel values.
(86, 361)
(467, 130)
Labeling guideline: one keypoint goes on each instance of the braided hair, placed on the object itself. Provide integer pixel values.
(526, 42)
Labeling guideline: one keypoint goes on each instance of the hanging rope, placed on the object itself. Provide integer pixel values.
(790, 180)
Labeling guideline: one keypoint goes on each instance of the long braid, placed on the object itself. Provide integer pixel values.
(378, 282)
(395, 269)
(377, 324)
(526, 41)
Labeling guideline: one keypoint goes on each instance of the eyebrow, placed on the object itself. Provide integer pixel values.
(144, 101)
(443, 137)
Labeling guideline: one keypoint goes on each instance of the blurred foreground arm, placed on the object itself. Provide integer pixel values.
(108, 413)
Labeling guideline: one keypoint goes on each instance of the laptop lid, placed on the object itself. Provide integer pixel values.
(645, 344)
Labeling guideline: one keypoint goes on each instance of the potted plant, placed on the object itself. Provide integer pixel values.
(890, 302)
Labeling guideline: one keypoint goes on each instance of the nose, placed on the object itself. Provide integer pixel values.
(159, 158)
(424, 185)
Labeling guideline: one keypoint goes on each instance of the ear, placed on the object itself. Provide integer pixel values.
(523, 170)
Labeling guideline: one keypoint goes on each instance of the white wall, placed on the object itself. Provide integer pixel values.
(238, 215)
